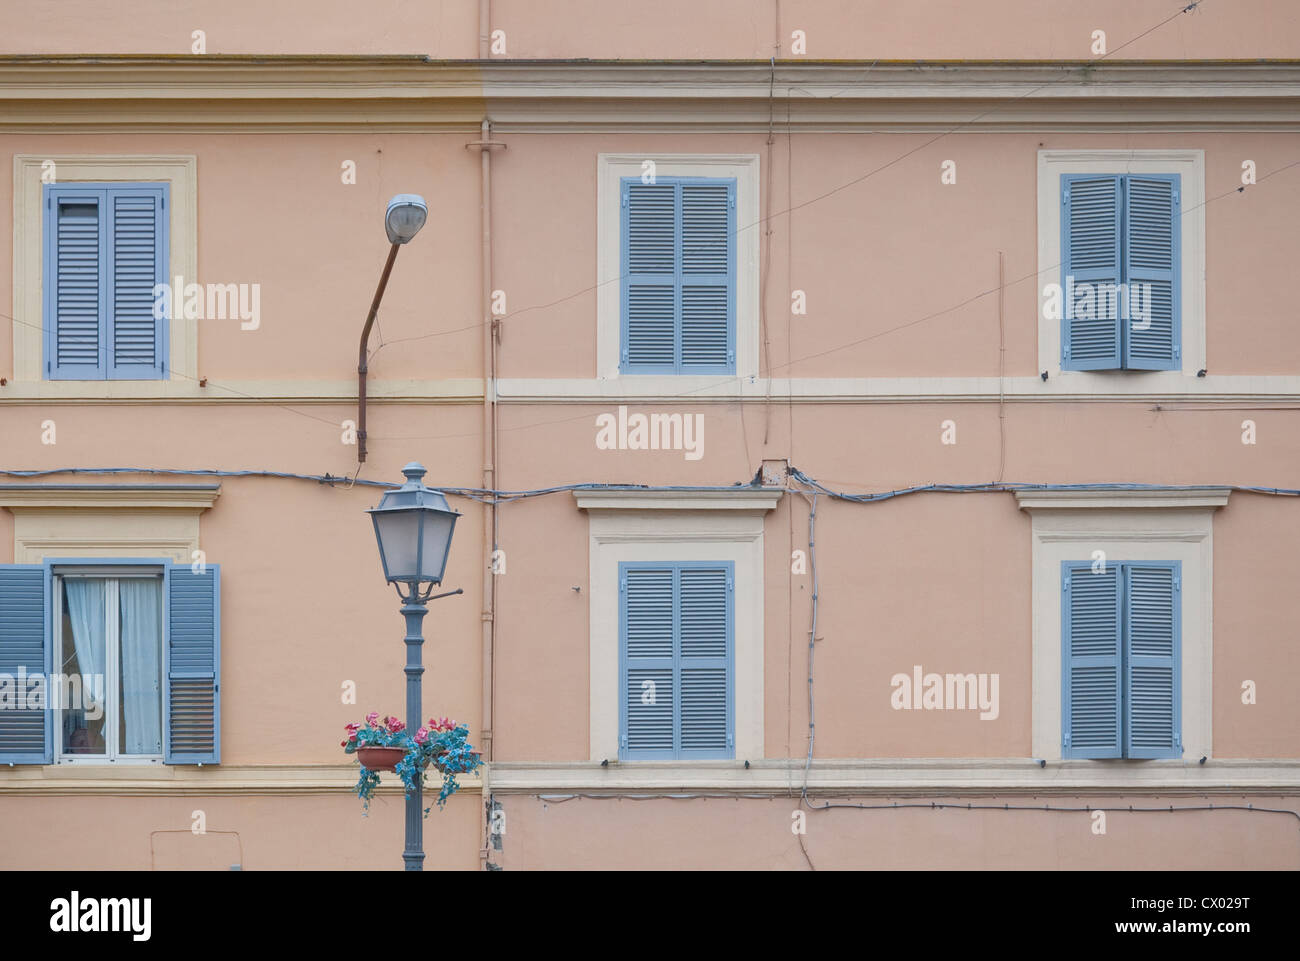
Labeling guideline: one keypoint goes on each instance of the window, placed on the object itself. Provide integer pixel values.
(679, 275)
(1121, 651)
(110, 661)
(108, 644)
(105, 249)
(675, 660)
(1120, 272)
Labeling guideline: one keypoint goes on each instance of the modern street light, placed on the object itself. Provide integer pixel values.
(413, 526)
(403, 219)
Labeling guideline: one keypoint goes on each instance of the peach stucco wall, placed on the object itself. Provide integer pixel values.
(940, 580)
(668, 29)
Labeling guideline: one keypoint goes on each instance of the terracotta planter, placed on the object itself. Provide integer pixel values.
(380, 758)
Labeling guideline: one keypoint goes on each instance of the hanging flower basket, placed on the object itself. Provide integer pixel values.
(387, 746)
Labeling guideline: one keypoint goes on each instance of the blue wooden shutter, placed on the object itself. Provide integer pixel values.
(75, 282)
(705, 634)
(1153, 229)
(707, 276)
(649, 272)
(647, 691)
(1152, 698)
(1090, 255)
(1091, 634)
(137, 258)
(192, 663)
(26, 736)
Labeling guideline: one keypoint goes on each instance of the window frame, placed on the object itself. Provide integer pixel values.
(677, 753)
(112, 571)
(103, 193)
(1124, 697)
(611, 168)
(677, 368)
(1189, 164)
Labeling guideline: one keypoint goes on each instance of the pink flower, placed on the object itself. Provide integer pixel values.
(372, 718)
(421, 735)
(394, 725)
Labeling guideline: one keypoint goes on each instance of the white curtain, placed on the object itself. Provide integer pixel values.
(140, 599)
(86, 611)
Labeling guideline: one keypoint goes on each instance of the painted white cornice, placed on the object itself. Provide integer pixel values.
(1187, 498)
(740, 499)
(27, 496)
(297, 92)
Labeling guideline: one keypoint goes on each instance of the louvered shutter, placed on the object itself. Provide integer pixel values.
(650, 246)
(1151, 255)
(678, 275)
(137, 261)
(705, 638)
(1152, 722)
(26, 734)
(76, 283)
(1091, 634)
(1090, 249)
(707, 288)
(648, 693)
(192, 663)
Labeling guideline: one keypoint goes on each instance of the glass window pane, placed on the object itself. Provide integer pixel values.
(140, 724)
(80, 674)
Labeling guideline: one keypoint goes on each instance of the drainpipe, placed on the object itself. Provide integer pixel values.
(484, 28)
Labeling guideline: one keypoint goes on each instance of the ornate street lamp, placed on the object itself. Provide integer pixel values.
(413, 526)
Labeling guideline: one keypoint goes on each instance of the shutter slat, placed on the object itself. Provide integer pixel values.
(136, 336)
(1152, 270)
(193, 665)
(1153, 722)
(25, 735)
(1090, 257)
(1091, 639)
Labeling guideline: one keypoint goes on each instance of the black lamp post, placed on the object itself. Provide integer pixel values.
(413, 526)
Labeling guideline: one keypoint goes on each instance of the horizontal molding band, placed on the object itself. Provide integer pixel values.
(1155, 387)
(190, 781)
(902, 777)
(417, 94)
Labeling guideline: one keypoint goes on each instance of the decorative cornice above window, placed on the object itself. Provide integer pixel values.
(741, 499)
(101, 496)
(1102, 498)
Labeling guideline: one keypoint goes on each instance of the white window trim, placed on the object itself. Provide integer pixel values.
(181, 173)
(673, 526)
(112, 667)
(1190, 165)
(1164, 525)
(611, 168)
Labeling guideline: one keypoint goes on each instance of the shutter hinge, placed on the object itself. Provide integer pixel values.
(1065, 197)
(731, 585)
(1067, 351)
(731, 741)
(49, 204)
(625, 200)
(1177, 351)
(1175, 196)
(164, 202)
(1178, 582)
(622, 584)
(732, 202)
(1178, 741)
(731, 356)
(1067, 740)
(1065, 584)
(622, 741)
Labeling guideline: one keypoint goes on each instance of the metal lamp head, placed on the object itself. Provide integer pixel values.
(405, 216)
(413, 525)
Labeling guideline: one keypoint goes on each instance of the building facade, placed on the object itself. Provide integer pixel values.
(873, 426)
